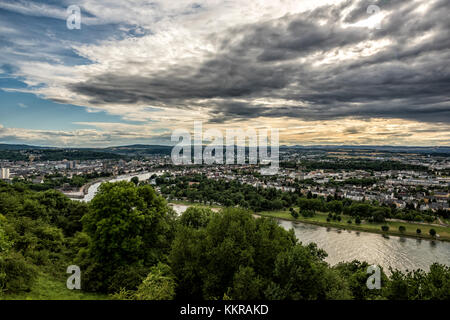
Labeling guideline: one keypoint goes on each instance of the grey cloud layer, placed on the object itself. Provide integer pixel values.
(407, 79)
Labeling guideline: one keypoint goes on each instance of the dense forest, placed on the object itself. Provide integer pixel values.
(130, 245)
(198, 188)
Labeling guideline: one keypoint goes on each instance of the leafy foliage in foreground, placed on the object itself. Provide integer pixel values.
(130, 230)
(129, 244)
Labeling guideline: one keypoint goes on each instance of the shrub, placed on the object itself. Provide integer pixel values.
(196, 217)
(128, 278)
(158, 285)
(308, 213)
(401, 229)
(378, 217)
(19, 274)
(432, 232)
(294, 214)
(418, 231)
(385, 228)
(358, 220)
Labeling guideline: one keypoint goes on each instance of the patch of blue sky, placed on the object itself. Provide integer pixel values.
(25, 110)
(49, 38)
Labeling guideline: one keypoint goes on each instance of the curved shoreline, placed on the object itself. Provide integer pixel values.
(360, 229)
(123, 177)
(422, 236)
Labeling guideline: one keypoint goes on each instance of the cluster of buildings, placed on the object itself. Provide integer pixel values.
(423, 189)
(36, 171)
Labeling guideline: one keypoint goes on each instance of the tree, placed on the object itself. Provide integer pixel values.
(196, 217)
(135, 180)
(128, 226)
(208, 261)
(355, 273)
(419, 285)
(358, 220)
(301, 274)
(335, 206)
(294, 213)
(247, 285)
(379, 216)
(18, 273)
(308, 213)
(158, 285)
(5, 245)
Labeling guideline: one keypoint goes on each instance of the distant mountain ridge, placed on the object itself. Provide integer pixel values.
(430, 149)
(5, 146)
(166, 149)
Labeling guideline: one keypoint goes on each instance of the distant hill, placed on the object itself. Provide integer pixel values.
(5, 146)
(407, 149)
(143, 149)
(140, 149)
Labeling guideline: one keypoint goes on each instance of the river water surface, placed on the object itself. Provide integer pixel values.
(396, 252)
(92, 190)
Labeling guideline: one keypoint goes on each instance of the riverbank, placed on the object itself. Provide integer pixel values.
(201, 205)
(88, 194)
(320, 219)
(84, 189)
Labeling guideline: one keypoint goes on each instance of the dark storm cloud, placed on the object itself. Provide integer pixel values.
(408, 79)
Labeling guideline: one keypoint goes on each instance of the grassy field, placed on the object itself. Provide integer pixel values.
(49, 288)
(411, 227)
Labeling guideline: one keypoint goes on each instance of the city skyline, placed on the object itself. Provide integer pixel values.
(322, 72)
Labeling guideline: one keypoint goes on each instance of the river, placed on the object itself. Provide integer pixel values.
(92, 190)
(345, 245)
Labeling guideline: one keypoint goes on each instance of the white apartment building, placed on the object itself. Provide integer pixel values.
(4, 173)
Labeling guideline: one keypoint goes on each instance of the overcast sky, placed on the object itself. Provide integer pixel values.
(322, 72)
